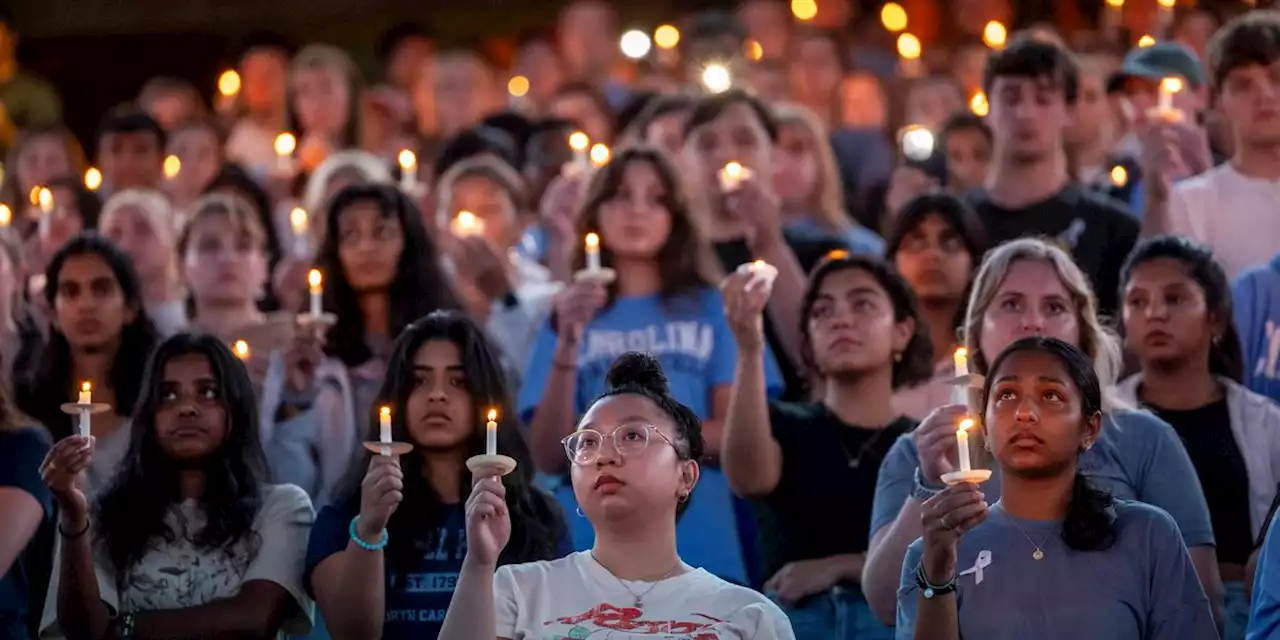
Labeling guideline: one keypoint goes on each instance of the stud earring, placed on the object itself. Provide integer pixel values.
(897, 356)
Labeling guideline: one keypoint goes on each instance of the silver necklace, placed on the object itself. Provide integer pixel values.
(639, 604)
(1038, 554)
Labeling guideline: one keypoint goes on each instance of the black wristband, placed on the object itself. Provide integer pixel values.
(73, 536)
(510, 301)
(930, 590)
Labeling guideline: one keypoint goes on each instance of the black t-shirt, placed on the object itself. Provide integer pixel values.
(1097, 230)
(809, 247)
(822, 504)
(1206, 434)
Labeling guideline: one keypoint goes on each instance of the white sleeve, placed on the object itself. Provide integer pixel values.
(506, 603)
(763, 621)
(283, 527)
(107, 592)
(1186, 212)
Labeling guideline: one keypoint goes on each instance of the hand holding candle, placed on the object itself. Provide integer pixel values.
(491, 434)
(762, 274)
(732, 176)
(1165, 110)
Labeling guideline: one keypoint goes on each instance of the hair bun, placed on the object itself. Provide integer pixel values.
(638, 369)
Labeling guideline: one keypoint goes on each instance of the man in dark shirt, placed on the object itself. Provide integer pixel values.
(1032, 87)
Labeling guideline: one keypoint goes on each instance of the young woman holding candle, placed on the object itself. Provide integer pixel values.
(634, 465)
(807, 181)
(141, 223)
(98, 333)
(37, 157)
(366, 564)
(865, 339)
(1178, 320)
(305, 398)
(1030, 287)
(1054, 557)
(936, 243)
(189, 540)
(381, 272)
(663, 300)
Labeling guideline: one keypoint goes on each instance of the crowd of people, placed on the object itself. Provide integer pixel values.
(761, 333)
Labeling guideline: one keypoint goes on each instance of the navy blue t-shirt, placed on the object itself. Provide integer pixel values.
(416, 600)
(21, 452)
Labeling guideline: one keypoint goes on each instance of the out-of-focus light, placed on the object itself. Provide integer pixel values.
(1146, 41)
(666, 36)
(229, 83)
(755, 52)
(636, 44)
(908, 47)
(716, 78)
(978, 104)
(518, 86)
(893, 17)
(995, 34)
(172, 166)
(92, 178)
(804, 9)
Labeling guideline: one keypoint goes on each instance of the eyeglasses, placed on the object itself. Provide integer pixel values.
(583, 446)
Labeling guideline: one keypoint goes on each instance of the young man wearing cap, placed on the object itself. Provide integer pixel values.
(1232, 207)
(1032, 87)
(25, 101)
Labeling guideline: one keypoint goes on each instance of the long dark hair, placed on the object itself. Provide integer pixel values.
(684, 261)
(1090, 523)
(1226, 356)
(537, 526)
(916, 364)
(132, 509)
(49, 384)
(419, 287)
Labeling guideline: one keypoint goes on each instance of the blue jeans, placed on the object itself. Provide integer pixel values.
(1235, 611)
(839, 614)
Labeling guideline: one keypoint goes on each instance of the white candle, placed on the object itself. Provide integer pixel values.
(285, 145)
(579, 142)
(962, 444)
(298, 224)
(86, 397)
(316, 284)
(6, 215)
(491, 434)
(593, 252)
(962, 361)
(384, 425)
(761, 273)
(1168, 87)
(408, 171)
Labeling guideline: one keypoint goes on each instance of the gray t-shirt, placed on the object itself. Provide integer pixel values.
(1137, 457)
(1143, 587)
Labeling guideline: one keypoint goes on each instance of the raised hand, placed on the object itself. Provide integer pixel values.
(936, 441)
(63, 471)
(946, 517)
(488, 521)
(744, 308)
(380, 495)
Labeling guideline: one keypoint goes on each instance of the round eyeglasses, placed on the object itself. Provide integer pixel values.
(584, 445)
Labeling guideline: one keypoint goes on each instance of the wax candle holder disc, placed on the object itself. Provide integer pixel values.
(597, 276)
(972, 476)
(74, 408)
(1166, 114)
(503, 465)
(388, 448)
(322, 321)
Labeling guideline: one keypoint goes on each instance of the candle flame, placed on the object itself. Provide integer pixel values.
(1119, 176)
(579, 141)
(893, 17)
(384, 412)
(466, 220)
(314, 278)
(518, 86)
(965, 424)
(909, 46)
(757, 264)
(1115, 4)
(493, 415)
(593, 241)
(837, 254)
(599, 155)
(44, 197)
(1146, 41)
(242, 349)
(962, 352)
(6, 215)
(716, 78)
(1166, 4)
(804, 10)
(1171, 84)
(298, 219)
(733, 170)
(172, 166)
(285, 144)
(86, 386)
(407, 160)
(995, 34)
(666, 36)
(978, 104)
(229, 83)
(92, 178)
(754, 50)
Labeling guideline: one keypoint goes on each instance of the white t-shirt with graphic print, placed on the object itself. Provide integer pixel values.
(575, 597)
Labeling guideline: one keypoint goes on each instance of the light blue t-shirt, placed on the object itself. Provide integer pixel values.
(1137, 457)
(690, 336)
(1264, 613)
(1256, 294)
(1143, 587)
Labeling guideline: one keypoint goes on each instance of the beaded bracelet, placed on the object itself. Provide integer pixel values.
(355, 537)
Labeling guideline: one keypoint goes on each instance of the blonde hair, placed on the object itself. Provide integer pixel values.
(326, 56)
(1097, 341)
(237, 210)
(830, 213)
(365, 167)
(155, 207)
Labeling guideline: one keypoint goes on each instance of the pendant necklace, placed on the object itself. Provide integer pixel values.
(639, 597)
(856, 461)
(1038, 554)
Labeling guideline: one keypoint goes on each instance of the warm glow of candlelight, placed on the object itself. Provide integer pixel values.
(995, 34)
(229, 83)
(909, 47)
(1115, 4)
(407, 160)
(965, 424)
(1171, 84)
(578, 141)
(298, 220)
(493, 415)
(804, 10)
(241, 349)
(893, 17)
(6, 215)
(86, 386)
(599, 155)
(733, 171)
(978, 104)
(92, 178)
(716, 78)
(285, 144)
(1167, 4)
(1146, 41)
(315, 280)
(754, 50)
(666, 36)
(172, 166)
(518, 86)
(384, 412)
(593, 242)
(1119, 176)
(44, 198)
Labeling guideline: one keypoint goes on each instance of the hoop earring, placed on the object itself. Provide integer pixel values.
(580, 513)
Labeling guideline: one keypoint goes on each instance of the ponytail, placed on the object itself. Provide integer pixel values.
(1090, 524)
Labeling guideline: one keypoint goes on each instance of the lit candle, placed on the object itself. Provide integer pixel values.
(995, 34)
(241, 349)
(761, 273)
(6, 215)
(92, 178)
(978, 104)
(384, 425)
(716, 78)
(1146, 41)
(909, 50)
(172, 166)
(228, 89)
(1119, 176)
(1166, 15)
(298, 223)
(466, 224)
(962, 444)
(408, 171)
(491, 434)
(593, 252)
(917, 142)
(962, 361)
(285, 145)
(1112, 14)
(1168, 88)
(316, 283)
(86, 398)
(599, 155)
(44, 199)
(579, 142)
(732, 176)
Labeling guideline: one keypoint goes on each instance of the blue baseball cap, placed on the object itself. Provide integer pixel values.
(1156, 62)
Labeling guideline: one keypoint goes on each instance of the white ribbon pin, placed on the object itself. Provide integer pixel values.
(983, 561)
